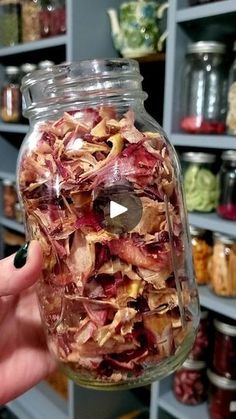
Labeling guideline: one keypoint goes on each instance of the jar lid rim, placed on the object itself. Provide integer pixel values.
(224, 238)
(193, 364)
(198, 157)
(222, 382)
(229, 155)
(225, 328)
(206, 47)
(195, 231)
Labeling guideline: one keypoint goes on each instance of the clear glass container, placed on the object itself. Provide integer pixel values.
(231, 112)
(222, 397)
(222, 266)
(224, 351)
(227, 180)
(10, 22)
(11, 96)
(31, 20)
(52, 18)
(9, 198)
(100, 186)
(201, 254)
(200, 349)
(190, 383)
(200, 181)
(205, 89)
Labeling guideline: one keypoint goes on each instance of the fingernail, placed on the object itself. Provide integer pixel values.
(21, 256)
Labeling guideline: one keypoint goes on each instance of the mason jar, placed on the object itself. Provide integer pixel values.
(227, 181)
(202, 251)
(222, 397)
(231, 112)
(204, 89)
(224, 349)
(100, 186)
(200, 181)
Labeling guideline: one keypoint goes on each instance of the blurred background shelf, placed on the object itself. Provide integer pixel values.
(205, 10)
(221, 305)
(204, 141)
(212, 222)
(13, 225)
(168, 402)
(35, 45)
(16, 128)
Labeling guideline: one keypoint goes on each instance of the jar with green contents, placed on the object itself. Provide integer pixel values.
(200, 181)
(10, 25)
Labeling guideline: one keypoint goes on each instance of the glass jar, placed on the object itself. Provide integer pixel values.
(201, 253)
(204, 89)
(200, 348)
(101, 192)
(30, 20)
(224, 353)
(200, 181)
(222, 397)
(222, 266)
(52, 18)
(11, 242)
(11, 96)
(18, 213)
(9, 198)
(231, 118)
(10, 24)
(190, 383)
(227, 180)
(43, 65)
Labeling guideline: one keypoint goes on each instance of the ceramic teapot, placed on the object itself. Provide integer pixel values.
(136, 29)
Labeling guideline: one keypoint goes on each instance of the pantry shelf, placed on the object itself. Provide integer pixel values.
(18, 128)
(13, 225)
(168, 402)
(226, 306)
(35, 45)
(206, 10)
(213, 223)
(225, 142)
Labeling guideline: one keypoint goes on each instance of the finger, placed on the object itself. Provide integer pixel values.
(14, 279)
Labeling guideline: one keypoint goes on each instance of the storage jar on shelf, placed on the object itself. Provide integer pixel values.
(52, 18)
(231, 113)
(222, 266)
(117, 296)
(30, 20)
(222, 397)
(11, 96)
(200, 349)
(200, 181)
(201, 253)
(224, 349)
(205, 89)
(190, 382)
(9, 198)
(227, 182)
(10, 22)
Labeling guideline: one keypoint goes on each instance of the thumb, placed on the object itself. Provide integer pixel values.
(21, 270)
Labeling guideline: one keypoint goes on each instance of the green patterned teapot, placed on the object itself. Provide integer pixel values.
(137, 30)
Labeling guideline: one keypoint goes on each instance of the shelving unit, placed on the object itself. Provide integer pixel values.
(213, 21)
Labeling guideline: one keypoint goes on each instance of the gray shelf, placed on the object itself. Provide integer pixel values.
(18, 128)
(226, 306)
(13, 225)
(35, 45)
(226, 142)
(168, 402)
(7, 175)
(206, 10)
(213, 223)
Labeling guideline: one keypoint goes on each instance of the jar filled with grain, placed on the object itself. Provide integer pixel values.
(201, 253)
(30, 20)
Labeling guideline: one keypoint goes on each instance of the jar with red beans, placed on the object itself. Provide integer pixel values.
(222, 397)
(190, 382)
(205, 89)
(200, 348)
(227, 180)
(52, 18)
(224, 353)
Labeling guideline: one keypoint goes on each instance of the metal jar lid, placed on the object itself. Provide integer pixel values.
(206, 47)
(191, 364)
(28, 68)
(7, 182)
(229, 155)
(198, 157)
(195, 231)
(221, 382)
(226, 329)
(224, 238)
(204, 314)
(12, 70)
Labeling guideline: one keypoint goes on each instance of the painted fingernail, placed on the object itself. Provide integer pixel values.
(21, 256)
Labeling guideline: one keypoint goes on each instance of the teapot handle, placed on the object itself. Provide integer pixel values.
(160, 13)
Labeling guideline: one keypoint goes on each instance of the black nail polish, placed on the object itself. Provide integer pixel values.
(21, 255)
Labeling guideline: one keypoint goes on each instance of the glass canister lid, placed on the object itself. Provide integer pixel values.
(227, 329)
(206, 47)
(12, 70)
(196, 231)
(191, 364)
(229, 155)
(198, 157)
(221, 382)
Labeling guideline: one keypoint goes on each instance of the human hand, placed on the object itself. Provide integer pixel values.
(24, 357)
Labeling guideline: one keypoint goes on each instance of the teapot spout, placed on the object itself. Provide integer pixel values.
(115, 27)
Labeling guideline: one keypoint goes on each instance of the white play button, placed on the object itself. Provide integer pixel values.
(116, 209)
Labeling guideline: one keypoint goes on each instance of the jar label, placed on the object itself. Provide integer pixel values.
(232, 406)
